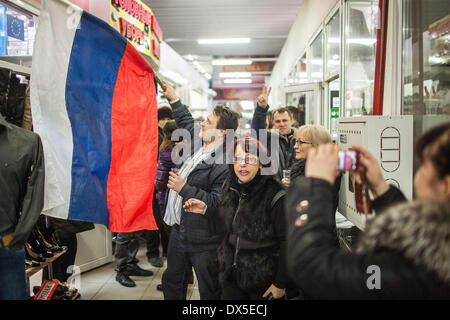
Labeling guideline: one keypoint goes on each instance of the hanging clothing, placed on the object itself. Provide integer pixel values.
(21, 182)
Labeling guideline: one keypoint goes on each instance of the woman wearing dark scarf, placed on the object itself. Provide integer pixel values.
(252, 256)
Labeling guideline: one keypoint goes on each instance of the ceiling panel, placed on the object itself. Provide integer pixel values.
(266, 22)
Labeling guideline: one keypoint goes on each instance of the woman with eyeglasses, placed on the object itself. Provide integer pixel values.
(252, 256)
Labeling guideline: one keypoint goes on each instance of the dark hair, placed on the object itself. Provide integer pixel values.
(283, 110)
(165, 113)
(294, 112)
(435, 144)
(252, 146)
(228, 119)
(301, 100)
(167, 142)
(269, 119)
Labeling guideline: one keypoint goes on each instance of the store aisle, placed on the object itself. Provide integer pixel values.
(100, 284)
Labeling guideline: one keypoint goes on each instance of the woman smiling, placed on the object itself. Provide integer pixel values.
(252, 255)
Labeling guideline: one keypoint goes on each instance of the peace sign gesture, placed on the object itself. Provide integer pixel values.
(263, 98)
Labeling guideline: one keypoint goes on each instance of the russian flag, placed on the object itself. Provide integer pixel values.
(93, 103)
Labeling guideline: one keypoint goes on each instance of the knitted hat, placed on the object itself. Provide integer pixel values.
(169, 127)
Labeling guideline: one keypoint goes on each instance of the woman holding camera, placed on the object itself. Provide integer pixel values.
(252, 256)
(404, 252)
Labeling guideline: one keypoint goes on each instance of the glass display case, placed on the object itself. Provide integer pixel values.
(306, 104)
(426, 57)
(333, 45)
(317, 58)
(299, 74)
(360, 49)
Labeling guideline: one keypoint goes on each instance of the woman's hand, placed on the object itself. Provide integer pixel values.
(286, 182)
(195, 206)
(372, 172)
(322, 163)
(277, 293)
(176, 182)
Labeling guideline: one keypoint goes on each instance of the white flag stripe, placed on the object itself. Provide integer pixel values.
(51, 56)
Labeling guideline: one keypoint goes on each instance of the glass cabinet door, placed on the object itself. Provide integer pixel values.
(426, 57)
(317, 58)
(360, 49)
(333, 47)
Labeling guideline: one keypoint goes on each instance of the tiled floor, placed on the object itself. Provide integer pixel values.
(101, 284)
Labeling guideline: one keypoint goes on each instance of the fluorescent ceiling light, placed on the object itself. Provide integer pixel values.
(224, 41)
(235, 74)
(208, 76)
(231, 62)
(174, 76)
(237, 81)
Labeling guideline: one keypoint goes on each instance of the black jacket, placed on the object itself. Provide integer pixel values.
(21, 182)
(201, 232)
(286, 152)
(255, 244)
(325, 272)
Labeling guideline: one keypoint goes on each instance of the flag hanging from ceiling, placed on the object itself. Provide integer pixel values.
(94, 105)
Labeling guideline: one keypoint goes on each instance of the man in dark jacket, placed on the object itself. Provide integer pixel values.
(402, 254)
(21, 201)
(282, 129)
(195, 238)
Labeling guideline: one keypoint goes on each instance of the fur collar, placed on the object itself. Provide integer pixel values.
(418, 230)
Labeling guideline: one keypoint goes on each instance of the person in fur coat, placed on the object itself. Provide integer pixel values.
(252, 255)
(404, 252)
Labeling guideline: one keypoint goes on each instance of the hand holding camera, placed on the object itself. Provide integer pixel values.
(322, 163)
(370, 171)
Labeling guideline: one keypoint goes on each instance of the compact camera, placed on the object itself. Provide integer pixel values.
(348, 160)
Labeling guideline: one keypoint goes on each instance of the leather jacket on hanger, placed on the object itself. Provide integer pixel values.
(21, 182)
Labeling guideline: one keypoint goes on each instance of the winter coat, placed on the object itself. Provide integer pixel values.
(253, 250)
(22, 176)
(201, 232)
(164, 166)
(409, 251)
(285, 150)
(298, 170)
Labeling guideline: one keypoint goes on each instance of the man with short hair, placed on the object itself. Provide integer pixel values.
(195, 238)
(282, 126)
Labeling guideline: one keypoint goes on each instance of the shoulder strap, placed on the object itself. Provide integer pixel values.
(277, 197)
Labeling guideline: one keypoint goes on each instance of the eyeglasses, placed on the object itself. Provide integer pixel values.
(246, 159)
(298, 141)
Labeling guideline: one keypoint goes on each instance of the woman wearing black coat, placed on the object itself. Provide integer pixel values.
(252, 256)
(403, 253)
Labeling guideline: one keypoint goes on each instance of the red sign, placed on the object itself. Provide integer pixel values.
(46, 291)
(237, 93)
(156, 29)
(254, 67)
(135, 9)
(130, 31)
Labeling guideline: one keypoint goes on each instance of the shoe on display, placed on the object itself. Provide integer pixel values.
(32, 256)
(157, 262)
(159, 287)
(125, 280)
(135, 270)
